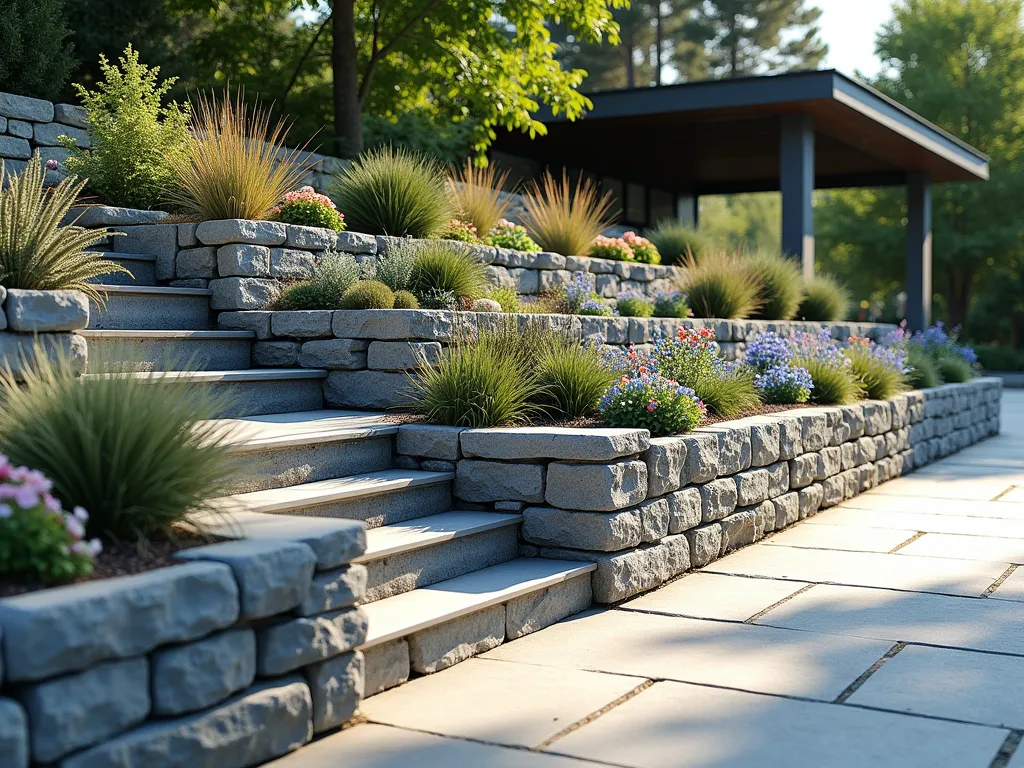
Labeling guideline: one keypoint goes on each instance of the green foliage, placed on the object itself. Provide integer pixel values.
(443, 266)
(439, 298)
(35, 55)
(877, 380)
(368, 294)
(36, 253)
(572, 377)
(461, 231)
(833, 384)
(634, 306)
(726, 394)
(35, 546)
(508, 298)
(671, 304)
(136, 450)
(563, 217)
(954, 370)
(824, 300)
(676, 241)
(644, 250)
(394, 267)
(406, 300)
(389, 191)
(994, 358)
(613, 248)
(924, 372)
(654, 404)
(717, 285)
(512, 236)
(448, 142)
(136, 140)
(332, 277)
(780, 287)
(310, 213)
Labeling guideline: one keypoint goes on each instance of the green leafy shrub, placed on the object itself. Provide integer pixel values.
(443, 266)
(718, 286)
(506, 234)
(406, 300)
(671, 304)
(652, 402)
(572, 377)
(393, 192)
(508, 298)
(446, 141)
(332, 276)
(924, 371)
(36, 58)
(137, 450)
(994, 358)
(565, 218)
(476, 195)
(876, 371)
(368, 294)
(779, 282)
(633, 304)
(136, 140)
(36, 253)
(394, 267)
(439, 298)
(614, 248)
(643, 249)
(461, 231)
(824, 300)
(677, 242)
(954, 370)
(309, 209)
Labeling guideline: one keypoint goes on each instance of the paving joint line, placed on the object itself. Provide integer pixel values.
(998, 582)
(1007, 750)
(852, 687)
(594, 715)
(776, 604)
(902, 544)
(1003, 493)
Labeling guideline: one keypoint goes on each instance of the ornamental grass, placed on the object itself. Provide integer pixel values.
(678, 242)
(878, 370)
(325, 289)
(824, 300)
(442, 266)
(477, 197)
(780, 287)
(719, 285)
(563, 217)
(572, 377)
(924, 371)
(954, 370)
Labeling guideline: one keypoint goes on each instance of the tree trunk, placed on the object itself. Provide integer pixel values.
(630, 69)
(657, 43)
(733, 48)
(958, 299)
(348, 123)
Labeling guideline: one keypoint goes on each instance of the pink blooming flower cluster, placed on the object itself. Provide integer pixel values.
(607, 245)
(632, 239)
(24, 488)
(307, 195)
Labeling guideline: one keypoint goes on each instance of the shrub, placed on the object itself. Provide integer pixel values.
(36, 253)
(334, 275)
(572, 377)
(310, 209)
(782, 384)
(633, 304)
(39, 541)
(508, 298)
(643, 249)
(996, 358)
(442, 266)
(459, 230)
(768, 350)
(394, 267)
(594, 307)
(614, 248)
(954, 369)
(878, 369)
(563, 218)
(509, 235)
(406, 300)
(393, 192)
(652, 402)
(138, 450)
(779, 285)
(136, 141)
(438, 298)
(940, 343)
(831, 370)
(36, 57)
(670, 304)
(824, 300)
(719, 286)
(476, 195)
(236, 166)
(923, 371)
(368, 294)
(579, 289)
(677, 242)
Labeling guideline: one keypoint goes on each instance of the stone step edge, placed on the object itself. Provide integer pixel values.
(333, 435)
(396, 617)
(208, 377)
(323, 492)
(424, 532)
(116, 333)
(153, 290)
(115, 256)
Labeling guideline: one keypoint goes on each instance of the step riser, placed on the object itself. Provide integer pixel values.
(153, 313)
(405, 571)
(283, 467)
(386, 508)
(142, 273)
(178, 354)
(257, 398)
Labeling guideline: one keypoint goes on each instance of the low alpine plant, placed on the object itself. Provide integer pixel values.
(596, 308)
(782, 384)
(614, 248)
(643, 249)
(633, 304)
(652, 402)
(578, 290)
(507, 234)
(671, 304)
(460, 230)
(308, 208)
(768, 350)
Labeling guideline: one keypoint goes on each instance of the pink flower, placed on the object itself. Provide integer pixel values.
(51, 503)
(74, 526)
(52, 165)
(81, 514)
(26, 496)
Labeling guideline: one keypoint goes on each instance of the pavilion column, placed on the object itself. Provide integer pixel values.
(919, 251)
(688, 209)
(796, 173)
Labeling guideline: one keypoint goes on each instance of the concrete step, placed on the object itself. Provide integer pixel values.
(174, 350)
(375, 498)
(407, 556)
(253, 392)
(290, 448)
(133, 307)
(141, 265)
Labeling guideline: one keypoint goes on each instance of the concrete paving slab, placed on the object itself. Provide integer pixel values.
(672, 725)
(967, 548)
(712, 596)
(498, 701)
(971, 623)
(919, 521)
(863, 569)
(970, 488)
(693, 650)
(848, 538)
(940, 682)
(956, 507)
(1012, 587)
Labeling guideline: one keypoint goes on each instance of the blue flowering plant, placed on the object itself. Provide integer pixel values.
(631, 303)
(653, 402)
(933, 355)
(879, 369)
(831, 371)
(671, 304)
(778, 378)
(578, 297)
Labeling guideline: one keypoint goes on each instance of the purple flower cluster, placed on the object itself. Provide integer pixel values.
(820, 347)
(784, 384)
(940, 343)
(579, 290)
(768, 350)
(594, 306)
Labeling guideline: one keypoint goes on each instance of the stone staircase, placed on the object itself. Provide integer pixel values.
(439, 579)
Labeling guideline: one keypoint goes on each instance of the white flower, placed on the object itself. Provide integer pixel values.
(75, 527)
(81, 514)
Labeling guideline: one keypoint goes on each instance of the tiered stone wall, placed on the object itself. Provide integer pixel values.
(238, 655)
(42, 321)
(370, 353)
(28, 125)
(646, 510)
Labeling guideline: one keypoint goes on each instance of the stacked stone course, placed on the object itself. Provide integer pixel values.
(44, 322)
(32, 125)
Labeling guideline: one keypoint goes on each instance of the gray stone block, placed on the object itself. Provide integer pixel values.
(19, 128)
(336, 686)
(477, 480)
(310, 238)
(536, 610)
(606, 285)
(445, 645)
(803, 470)
(830, 462)
(738, 530)
(778, 479)
(334, 354)
(764, 519)
(402, 355)
(665, 460)
(160, 240)
(13, 148)
(92, 216)
(596, 487)
(187, 678)
(291, 264)
(197, 262)
(751, 487)
(685, 510)
(46, 311)
(335, 589)
(75, 711)
(566, 443)
(833, 490)
(386, 666)
(791, 442)
(70, 114)
(654, 520)
(257, 322)
(25, 108)
(813, 430)
(396, 324)
(281, 648)
(242, 293)
(266, 721)
(303, 324)
(273, 576)
(621, 575)
(733, 446)
(224, 231)
(765, 437)
(243, 260)
(877, 417)
(275, 354)
(20, 350)
(367, 389)
(48, 135)
(65, 629)
(550, 280)
(430, 441)
(356, 242)
(717, 499)
(13, 734)
(787, 509)
(705, 544)
(596, 531)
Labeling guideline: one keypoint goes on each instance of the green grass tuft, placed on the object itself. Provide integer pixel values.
(726, 394)
(718, 286)
(448, 267)
(779, 285)
(954, 370)
(825, 300)
(833, 384)
(406, 300)
(924, 371)
(877, 380)
(572, 377)
(677, 242)
(368, 294)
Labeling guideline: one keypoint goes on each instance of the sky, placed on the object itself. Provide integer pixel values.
(849, 27)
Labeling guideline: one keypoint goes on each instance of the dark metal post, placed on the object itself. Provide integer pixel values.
(688, 209)
(796, 173)
(919, 251)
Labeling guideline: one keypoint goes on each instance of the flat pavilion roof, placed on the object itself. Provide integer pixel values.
(723, 136)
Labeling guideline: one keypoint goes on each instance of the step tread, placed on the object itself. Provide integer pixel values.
(327, 491)
(281, 430)
(252, 374)
(153, 290)
(410, 612)
(428, 531)
(117, 256)
(136, 334)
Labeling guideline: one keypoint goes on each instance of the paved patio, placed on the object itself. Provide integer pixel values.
(888, 631)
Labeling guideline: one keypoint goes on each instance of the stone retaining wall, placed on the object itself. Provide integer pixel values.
(238, 655)
(370, 353)
(34, 321)
(646, 510)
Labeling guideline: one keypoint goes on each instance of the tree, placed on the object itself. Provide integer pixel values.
(35, 55)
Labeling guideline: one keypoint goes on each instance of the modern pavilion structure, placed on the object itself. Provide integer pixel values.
(659, 149)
